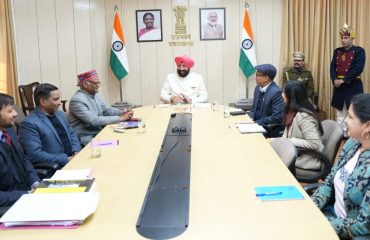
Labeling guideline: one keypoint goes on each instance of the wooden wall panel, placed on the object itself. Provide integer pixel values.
(48, 42)
(57, 39)
(132, 83)
(83, 35)
(148, 62)
(100, 51)
(165, 59)
(66, 47)
(28, 54)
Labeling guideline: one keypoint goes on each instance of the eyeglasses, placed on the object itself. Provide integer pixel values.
(94, 83)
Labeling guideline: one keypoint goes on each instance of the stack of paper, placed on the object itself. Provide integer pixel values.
(62, 209)
(250, 128)
(72, 174)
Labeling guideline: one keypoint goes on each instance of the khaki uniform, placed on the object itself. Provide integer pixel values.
(305, 77)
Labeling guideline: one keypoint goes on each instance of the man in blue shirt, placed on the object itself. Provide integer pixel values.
(45, 134)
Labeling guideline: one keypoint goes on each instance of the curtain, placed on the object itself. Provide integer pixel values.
(8, 66)
(312, 27)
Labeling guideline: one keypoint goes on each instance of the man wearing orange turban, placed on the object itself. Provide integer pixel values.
(185, 86)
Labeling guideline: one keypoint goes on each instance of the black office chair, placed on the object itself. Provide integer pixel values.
(274, 130)
(332, 137)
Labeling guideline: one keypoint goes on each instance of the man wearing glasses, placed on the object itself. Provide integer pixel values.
(88, 113)
(268, 103)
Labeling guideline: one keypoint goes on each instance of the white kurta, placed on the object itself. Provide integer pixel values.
(192, 86)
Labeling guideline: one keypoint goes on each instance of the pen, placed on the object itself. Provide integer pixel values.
(106, 144)
(268, 194)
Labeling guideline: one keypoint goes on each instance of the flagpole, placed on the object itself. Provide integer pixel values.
(246, 6)
(120, 91)
(120, 82)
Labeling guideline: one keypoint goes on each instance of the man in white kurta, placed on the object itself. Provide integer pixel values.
(184, 86)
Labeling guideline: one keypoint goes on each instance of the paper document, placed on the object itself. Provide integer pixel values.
(274, 193)
(72, 174)
(51, 209)
(65, 186)
(250, 128)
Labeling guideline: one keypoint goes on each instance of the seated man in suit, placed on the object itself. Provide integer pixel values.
(17, 175)
(268, 103)
(45, 134)
(88, 113)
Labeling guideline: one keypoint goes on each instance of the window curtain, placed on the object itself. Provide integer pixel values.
(8, 66)
(312, 26)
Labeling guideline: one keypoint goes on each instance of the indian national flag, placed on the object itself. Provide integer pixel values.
(118, 53)
(247, 60)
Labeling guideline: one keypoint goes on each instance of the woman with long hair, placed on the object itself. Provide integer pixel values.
(345, 195)
(302, 126)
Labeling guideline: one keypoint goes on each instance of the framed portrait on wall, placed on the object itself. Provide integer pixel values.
(212, 23)
(149, 25)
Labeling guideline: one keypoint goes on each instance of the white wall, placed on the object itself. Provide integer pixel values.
(57, 39)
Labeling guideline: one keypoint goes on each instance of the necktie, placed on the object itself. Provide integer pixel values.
(6, 137)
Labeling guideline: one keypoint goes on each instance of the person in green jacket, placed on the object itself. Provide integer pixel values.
(298, 72)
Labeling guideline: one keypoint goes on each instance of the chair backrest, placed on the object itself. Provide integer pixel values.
(286, 151)
(20, 117)
(332, 137)
(26, 95)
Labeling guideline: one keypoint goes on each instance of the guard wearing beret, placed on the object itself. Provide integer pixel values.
(184, 86)
(300, 73)
(345, 72)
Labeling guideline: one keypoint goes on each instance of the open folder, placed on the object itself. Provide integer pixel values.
(62, 209)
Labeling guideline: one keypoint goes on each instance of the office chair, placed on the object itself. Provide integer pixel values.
(332, 137)
(286, 151)
(27, 101)
(26, 95)
(274, 130)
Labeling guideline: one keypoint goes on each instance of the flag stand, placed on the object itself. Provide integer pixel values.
(120, 91)
(118, 57)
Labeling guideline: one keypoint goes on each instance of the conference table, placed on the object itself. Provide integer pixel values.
(226, 166)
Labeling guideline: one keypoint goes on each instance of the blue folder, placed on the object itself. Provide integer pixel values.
(276, 193)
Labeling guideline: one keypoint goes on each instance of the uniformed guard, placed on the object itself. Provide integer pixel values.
(346, 67)
(298, 72)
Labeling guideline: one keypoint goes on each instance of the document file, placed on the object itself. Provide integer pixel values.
(51, 209)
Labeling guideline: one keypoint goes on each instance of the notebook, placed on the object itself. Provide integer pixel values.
(278, 193)
(250, 128)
